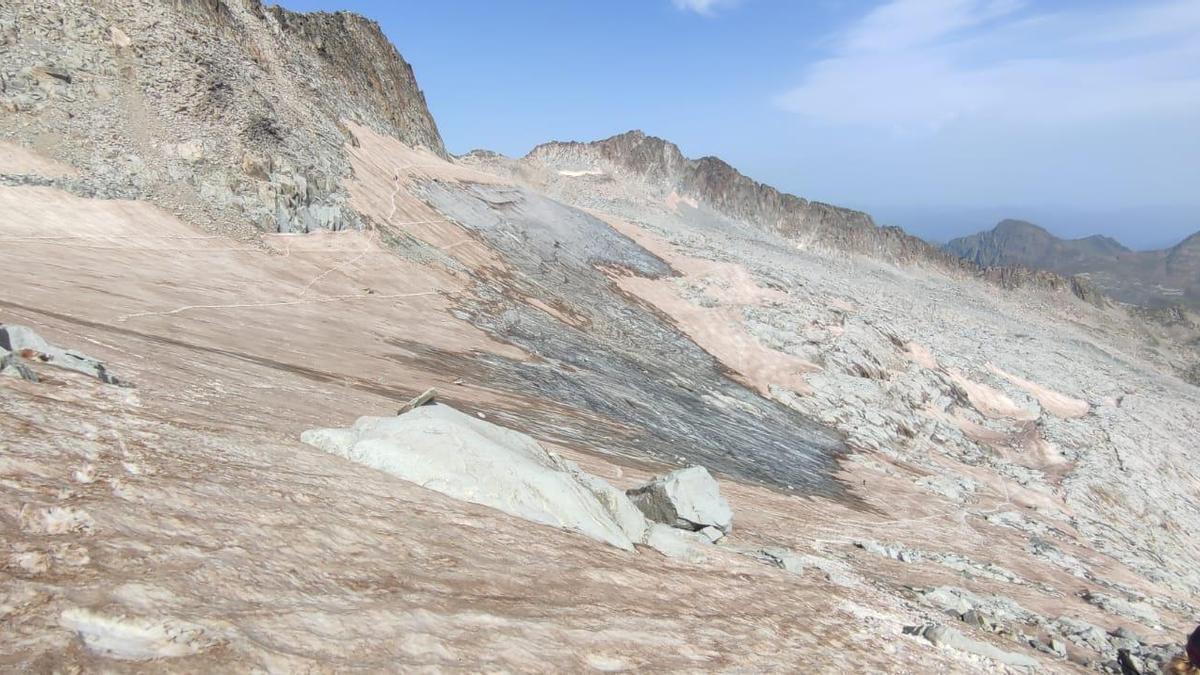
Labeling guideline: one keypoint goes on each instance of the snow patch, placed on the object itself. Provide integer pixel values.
(136, 639)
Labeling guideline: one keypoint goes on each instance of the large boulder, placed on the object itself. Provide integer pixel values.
(442, 449)
(679, 544)
(688, 499)
(617, 503)
(943, 636)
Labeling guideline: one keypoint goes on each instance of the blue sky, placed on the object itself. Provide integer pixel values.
(941, 116)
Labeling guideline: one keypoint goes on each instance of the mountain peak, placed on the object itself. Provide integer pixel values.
(1015, 226)
(1145, 277)
(1189, 242)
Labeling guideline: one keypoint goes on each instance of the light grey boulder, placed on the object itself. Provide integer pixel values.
(1083, 634)
(24, 342)
(442, 449)
(782, 558)
(688, 499)
(679, 544)
(1139, 611)
(942, 636)
(622, 510)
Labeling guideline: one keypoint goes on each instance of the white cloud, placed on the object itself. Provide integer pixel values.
(917, 65)
(705, 7)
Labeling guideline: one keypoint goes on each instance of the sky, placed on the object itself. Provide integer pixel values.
(941, 116)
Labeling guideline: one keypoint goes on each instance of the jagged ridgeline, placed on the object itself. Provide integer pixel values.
(714, 183)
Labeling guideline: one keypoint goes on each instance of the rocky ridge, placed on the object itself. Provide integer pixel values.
(225, 110)
(714, 183)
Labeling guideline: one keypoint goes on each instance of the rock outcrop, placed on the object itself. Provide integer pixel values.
(227, 111)
(22, 343)
(950, 638)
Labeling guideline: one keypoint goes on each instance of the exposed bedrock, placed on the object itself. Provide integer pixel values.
(619, 358)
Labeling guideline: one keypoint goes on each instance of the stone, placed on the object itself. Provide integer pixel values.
(997, 609)
(948, 599)
(1138, 611)
(676, 543)
(688, 498)
(190, 151)
(52, 72)
(943, 636)
(783, 559)
(972, 617)
(617, 503)
(423, 398)
(258, 168)
(118, 38)
(1083, 634)
(1123, 632)
(23, 341)
(1130, 664)
(714, 535)
(442, 449)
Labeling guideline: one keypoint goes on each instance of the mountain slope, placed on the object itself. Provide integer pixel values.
(1151, 278)
(660, 167)
(925, 473)
(718, 185)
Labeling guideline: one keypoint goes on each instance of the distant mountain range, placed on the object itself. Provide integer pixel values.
(1163, 277)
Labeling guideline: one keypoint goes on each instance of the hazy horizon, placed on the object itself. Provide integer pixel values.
(939, 224)
(940, 116)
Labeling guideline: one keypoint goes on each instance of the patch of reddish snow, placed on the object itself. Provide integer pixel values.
(921, 356)
(1059, 405)
(17, 159)
(990, 402)
(675, 199)
(718, 329)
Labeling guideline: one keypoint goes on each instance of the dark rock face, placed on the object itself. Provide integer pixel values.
(1153, 278)
(356, 61)
(356, 56)
(1016, 242)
